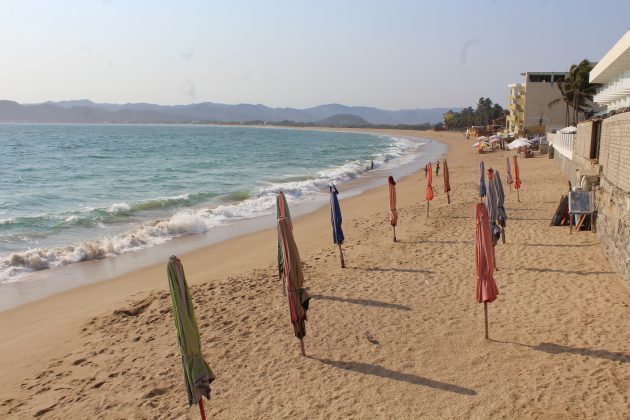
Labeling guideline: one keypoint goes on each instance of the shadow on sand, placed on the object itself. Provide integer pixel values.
(398, 270)
(376, 370)
(365, 302)
(579, 273)
(552, 348)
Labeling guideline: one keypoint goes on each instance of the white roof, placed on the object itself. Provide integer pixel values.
(615, 62)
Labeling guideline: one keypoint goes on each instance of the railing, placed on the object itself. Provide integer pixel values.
(563, 143)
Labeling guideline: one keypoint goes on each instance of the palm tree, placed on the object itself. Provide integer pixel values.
(576, 91)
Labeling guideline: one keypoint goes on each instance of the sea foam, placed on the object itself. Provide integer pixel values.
(190, 220)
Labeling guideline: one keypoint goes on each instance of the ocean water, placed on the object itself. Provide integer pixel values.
(70, 193)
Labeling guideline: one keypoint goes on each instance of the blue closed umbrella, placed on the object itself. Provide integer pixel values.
(335, 219)
(482, 180)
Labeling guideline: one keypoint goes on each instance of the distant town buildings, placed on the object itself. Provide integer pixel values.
(531, 106)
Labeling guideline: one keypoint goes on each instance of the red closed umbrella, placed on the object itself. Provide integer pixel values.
(429, 194)
(484, 260)
(517, 178)
(393, 214)
(447, 183)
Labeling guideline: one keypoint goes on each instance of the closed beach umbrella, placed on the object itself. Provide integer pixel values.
(493, 208)
(486, 290)
(393, 214)
(429, 193)
(447, 183)
(482, 180)
(335, 219)
(509, 180)
(298, 298)
(282, 210)
(517, 178)
(502, 215)
(197, 373)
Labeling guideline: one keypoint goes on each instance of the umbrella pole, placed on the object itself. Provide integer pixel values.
(427, 208)
(518, 195)
(394, 233)
(201, 410)
(485, 312)
(448, 196)
(302, 347)
(343, 264)
(503, 235)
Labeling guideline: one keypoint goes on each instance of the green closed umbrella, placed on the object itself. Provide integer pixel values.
(197, 373)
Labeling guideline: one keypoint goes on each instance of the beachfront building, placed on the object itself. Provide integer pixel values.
(597, 156)
(516, 105)
(529, 104)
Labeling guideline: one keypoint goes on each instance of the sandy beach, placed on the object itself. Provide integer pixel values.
(397, 334)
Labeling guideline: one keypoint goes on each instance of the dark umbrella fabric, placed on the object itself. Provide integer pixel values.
(335, 216)
(292, 267)
(493, 207)
(447, 183)
(197, 373)
(498, 185)
(282, 210)
(482, 180)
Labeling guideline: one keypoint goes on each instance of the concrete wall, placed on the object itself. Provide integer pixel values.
(567, 166)
(613, 225)
(614, 150)
(612, 172)
(582, 141)
(537, 98)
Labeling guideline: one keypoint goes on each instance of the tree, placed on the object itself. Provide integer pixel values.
(576, 92)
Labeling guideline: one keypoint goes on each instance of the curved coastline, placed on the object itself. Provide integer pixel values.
(39, 284)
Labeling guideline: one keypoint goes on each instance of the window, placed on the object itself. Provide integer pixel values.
(596, 133)
(536, 78)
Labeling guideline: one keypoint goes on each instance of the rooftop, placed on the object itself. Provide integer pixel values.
(616, 61)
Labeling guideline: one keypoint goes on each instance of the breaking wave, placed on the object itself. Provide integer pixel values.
(189, 217)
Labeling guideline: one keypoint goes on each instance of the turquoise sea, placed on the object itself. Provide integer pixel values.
(70, 193)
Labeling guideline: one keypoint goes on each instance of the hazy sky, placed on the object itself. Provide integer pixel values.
(294, 53)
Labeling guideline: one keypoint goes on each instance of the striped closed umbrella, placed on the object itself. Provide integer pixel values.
(486, 289)
(197, 373)
(482, 180)
(335, 219)
(502, 215)
(509, 180)
(298, 298)
(393, 213)
(517, 178)
(282, 210)
(429, 193)
(447, 183)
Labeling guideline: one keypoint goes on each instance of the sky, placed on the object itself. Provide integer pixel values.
(390, 54)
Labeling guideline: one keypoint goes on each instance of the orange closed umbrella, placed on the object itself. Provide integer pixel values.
(429, 194)
(447, 184)
(484, 260)
(517, 178)
(393, 214)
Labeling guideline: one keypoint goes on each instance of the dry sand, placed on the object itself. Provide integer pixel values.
(397, 334)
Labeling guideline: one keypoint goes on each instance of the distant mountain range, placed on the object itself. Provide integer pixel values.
(86, 111)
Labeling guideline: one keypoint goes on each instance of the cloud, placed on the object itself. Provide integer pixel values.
(467, 45)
